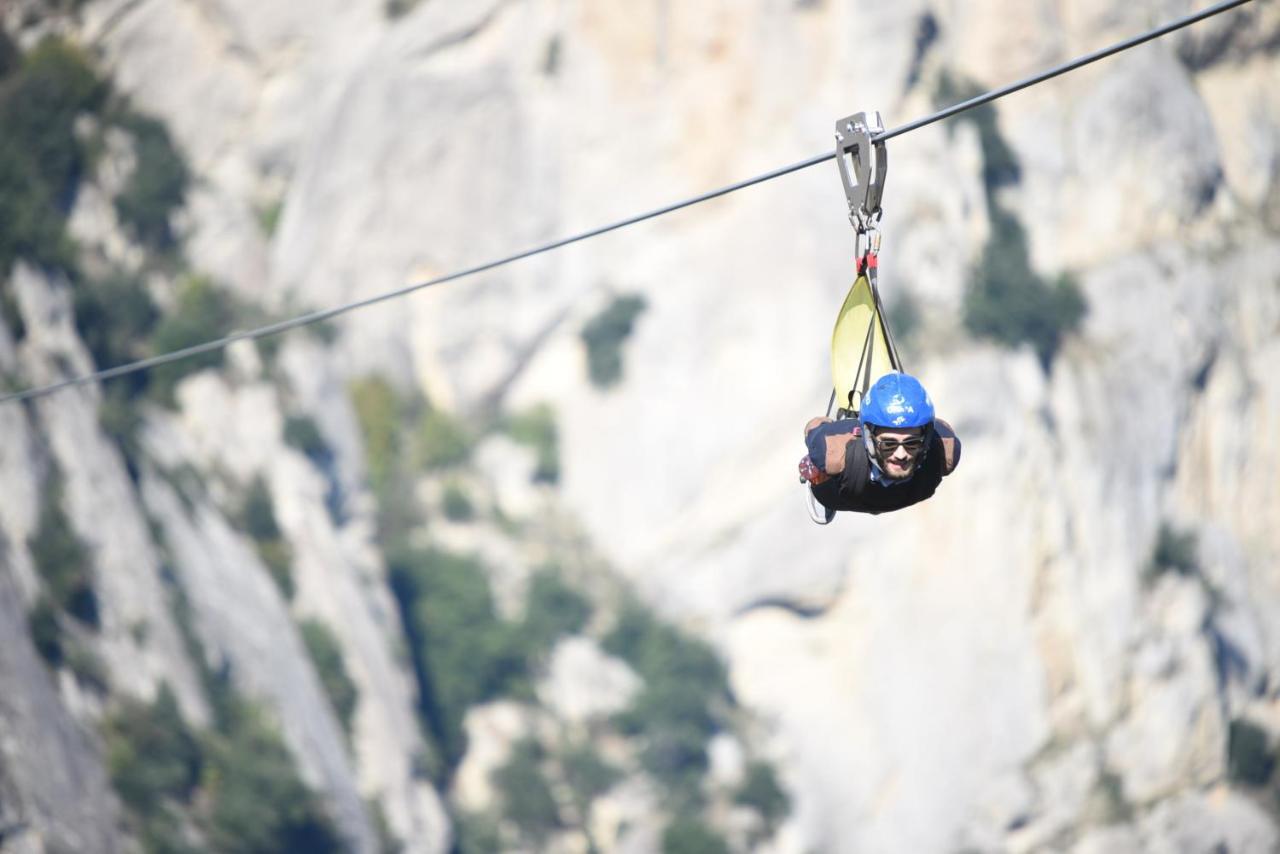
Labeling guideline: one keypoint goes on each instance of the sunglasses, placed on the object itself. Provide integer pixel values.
(888, 446)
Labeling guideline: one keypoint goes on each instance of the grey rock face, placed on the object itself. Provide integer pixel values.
(53, 790)
(990, 668)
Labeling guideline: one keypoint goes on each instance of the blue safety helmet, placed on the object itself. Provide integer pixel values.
(896, 401)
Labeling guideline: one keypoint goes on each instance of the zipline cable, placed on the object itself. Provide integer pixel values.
(325, 314)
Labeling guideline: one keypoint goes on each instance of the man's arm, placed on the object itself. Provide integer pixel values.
(950, 445)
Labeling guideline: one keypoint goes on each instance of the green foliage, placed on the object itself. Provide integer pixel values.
(269, 217)
(463, 653)
(381, 411)
(399, 8)
(62, 560)
(115, 316)
(586, 774)
(257, 803)
(46, 632)
(442, 441)
(388, 843)
(10, 56)
(1174, 551)
(679, 708)
(156, 187)
(326, 655)
(87, 666)
(302, 432)
(536, 428)
(202, 313)
(1114, 807)
(457, 505)
(155, 761)
(1005, 299)
(553, 609)
(257, 518)
(477, 833)
(687, 834)
(761, 792)
(904, 316)
(1000, 166)
(1250, 760)
(526, 795)
(41, 157)
(257, 512)
(604, 336)
(151, 753)
(10, 313)
(1007, 302)
(378, 410)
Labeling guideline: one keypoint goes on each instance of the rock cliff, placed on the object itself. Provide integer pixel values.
(1057, 652)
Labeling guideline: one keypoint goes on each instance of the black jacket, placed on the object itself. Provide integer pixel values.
(854, 490)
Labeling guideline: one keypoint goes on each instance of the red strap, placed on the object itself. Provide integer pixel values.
(870, 261)
(811, 473)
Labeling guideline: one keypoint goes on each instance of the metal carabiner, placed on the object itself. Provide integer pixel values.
(864, 163)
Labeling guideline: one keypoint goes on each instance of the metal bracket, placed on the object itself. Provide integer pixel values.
(863, 165)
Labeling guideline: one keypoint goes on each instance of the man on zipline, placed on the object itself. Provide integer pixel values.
(893, 455)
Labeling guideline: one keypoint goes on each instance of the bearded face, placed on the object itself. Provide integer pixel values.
(899, 451)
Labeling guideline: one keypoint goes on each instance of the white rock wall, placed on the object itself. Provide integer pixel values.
(972, 671)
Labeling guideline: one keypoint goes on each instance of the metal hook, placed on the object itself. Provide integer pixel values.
(864, 164)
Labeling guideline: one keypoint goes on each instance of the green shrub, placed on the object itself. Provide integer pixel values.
(399, 8)
(388, 843)
(761, 792)
(477, 833)
(463, 653)
(526, 795)
(62, 560)
(302, 432)
(257, 803)
(326, 655)
(379, 411)
(152, 755)
(553, 609)
(536, 428)
(1173, 551)
(1250, 760)
(10, 56)
(115, 317)
(904, 316)
(156, 187)
(257, 512)
(202, 313)
(87, 666)
(1007, 302)
(688, 834)
(269, 217)
(442, 440)
(277, 557)
(1000, 165)
(10, 312)
(680, 706)
(46, 632)
(41, 157)
(1005, 299)
(257, 518)
(604, 336)
(457, 506)
(586, 774)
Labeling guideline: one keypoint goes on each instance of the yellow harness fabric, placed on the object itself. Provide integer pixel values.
(849, 342)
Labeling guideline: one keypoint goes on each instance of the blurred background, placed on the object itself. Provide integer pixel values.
(520, 563)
